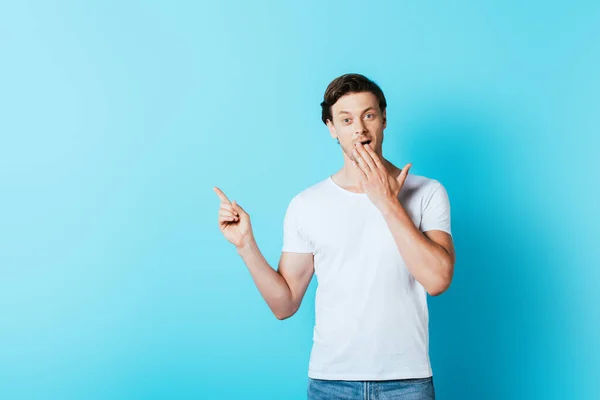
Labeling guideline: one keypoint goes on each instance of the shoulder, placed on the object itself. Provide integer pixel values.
(310, 195)
(419, 191)
(422, 184)
(313, 192)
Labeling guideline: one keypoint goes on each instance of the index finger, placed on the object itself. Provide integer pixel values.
(374, 156)
(221, 195)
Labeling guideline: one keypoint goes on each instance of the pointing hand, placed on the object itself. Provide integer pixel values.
(234, 222)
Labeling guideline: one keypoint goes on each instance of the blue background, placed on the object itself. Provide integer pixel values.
(117, 119)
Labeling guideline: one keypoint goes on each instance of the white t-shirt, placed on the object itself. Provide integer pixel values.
(371, 314)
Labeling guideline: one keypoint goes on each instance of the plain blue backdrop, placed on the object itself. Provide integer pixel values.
(118, 118)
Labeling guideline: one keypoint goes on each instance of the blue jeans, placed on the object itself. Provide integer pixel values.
(403, 389)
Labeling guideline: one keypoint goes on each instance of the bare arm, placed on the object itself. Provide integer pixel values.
(428, 256)
(283, 289)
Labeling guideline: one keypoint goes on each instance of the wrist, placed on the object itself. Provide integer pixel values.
(391, 207)
(247, 244)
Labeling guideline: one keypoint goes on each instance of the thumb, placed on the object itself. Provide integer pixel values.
(404, 173)
(237, 207)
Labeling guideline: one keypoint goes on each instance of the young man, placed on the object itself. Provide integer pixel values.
(378, 239)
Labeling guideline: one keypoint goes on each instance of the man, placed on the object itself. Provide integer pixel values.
(378, 239)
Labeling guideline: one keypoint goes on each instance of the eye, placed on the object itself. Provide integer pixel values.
(369, 116)
(346, 120)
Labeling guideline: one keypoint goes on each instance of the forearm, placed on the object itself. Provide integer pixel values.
(271, 285)
(429, 263)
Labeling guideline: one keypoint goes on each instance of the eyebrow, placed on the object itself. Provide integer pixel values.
(365, 110)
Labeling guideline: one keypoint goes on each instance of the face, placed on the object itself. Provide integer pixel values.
(357, 118)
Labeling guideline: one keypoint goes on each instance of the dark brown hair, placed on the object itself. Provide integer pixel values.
(349, 83)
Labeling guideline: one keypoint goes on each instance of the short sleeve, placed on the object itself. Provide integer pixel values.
(294, 238)
(436, 211)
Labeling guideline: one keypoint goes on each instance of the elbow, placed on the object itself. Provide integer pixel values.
(441, 284)
(284, 313)
(437, 290)
(282, 316)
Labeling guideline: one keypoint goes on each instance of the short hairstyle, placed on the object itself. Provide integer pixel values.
(349, 83)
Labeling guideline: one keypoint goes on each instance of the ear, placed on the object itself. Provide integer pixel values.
(332, 130)
(384, 115)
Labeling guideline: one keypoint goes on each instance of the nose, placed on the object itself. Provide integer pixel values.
(359, 126)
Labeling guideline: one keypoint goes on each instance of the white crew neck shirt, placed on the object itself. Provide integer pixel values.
(371, 314)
